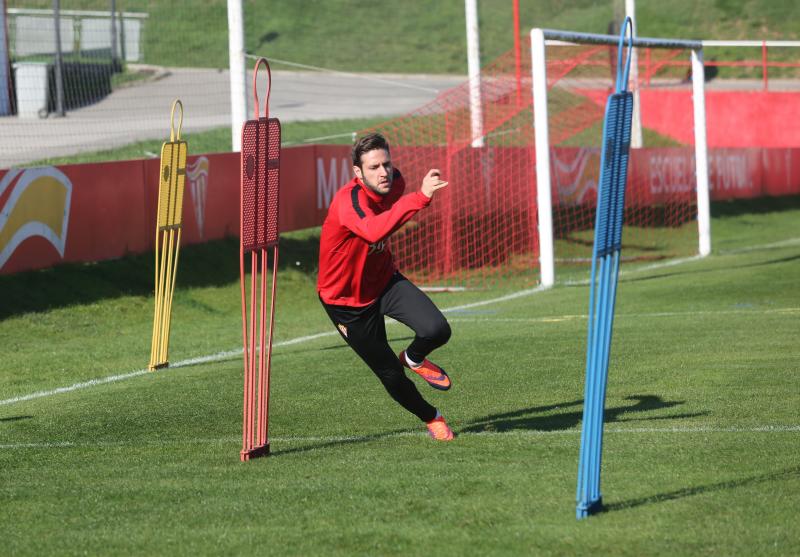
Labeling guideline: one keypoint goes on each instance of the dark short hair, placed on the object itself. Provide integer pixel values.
(367, 143)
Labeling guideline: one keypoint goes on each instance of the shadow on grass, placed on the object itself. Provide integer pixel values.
(342, 441)
(15, 418)
(525, 418)
(201, 265)
(530, 418)
(589, 243)
(761, 205)
(785, 474)
(727, 268)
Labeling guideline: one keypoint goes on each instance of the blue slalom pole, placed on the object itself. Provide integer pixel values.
(604, 279)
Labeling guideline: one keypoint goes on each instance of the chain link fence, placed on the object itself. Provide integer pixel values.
(83, 79)
(97, 75)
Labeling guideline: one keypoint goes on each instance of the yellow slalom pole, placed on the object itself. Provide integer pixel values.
(155, 312)
(172, 292)
(155, 350)
(168, 221)
(166, 297)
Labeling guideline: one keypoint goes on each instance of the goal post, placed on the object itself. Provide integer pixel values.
(526, 198)
(541, 41)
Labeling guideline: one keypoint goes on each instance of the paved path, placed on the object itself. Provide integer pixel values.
(142, 111)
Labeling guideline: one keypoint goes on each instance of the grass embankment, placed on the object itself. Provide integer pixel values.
(423, 36)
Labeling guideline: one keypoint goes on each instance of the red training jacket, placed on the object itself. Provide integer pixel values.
(355, 264)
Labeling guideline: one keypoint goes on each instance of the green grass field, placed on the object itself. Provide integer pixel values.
(701, 436)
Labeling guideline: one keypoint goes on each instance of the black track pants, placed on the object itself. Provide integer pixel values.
(365, 331)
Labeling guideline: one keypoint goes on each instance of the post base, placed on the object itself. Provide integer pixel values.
(255, 452)
(153, 367)
(585, 509)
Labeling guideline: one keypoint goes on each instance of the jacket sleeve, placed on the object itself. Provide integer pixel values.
(364, 223)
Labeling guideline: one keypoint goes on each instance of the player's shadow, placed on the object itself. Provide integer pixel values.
(524, 419)
(542, 418)
(785, 474)
(342, 441)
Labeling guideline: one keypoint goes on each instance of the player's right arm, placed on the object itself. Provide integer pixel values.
(362, 221)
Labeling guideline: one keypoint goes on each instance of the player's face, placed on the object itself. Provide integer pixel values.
(376, 171)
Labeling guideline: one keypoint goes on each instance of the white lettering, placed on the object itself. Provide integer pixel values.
(729, 171)
(377, 247)
(347, 171)
(671, 173)
(328, 186)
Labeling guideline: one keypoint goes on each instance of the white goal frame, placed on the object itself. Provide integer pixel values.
(540, 38)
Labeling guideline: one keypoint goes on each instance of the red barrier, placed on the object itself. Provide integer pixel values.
(733, 173)
(733, 118)
(92, 212)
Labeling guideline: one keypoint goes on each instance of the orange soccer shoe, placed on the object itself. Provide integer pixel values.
(439, 430)
(430, 372)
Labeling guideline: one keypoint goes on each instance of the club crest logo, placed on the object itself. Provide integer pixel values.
(33, 202)
(343, 329)
(197, 174)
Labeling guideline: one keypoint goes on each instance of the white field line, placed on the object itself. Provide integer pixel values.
(74, 387)
(219, 356)
(366, 438)
(747, 249)
(348, 74)
(681, 260)
(626, 272)
(230, 353)
(569, 317)
(54, 445)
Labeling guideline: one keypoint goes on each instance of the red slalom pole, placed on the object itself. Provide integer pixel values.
(260, 181)
(517, 52)
(271, 329)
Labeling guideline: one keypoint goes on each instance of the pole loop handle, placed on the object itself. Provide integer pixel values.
(255, 89)
(176, 102)
(622, 77)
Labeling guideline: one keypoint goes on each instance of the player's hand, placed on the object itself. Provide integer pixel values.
(432, 182)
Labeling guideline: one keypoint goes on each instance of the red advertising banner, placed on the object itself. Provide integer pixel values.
(91, 212)
(733, 118)
(656, 175)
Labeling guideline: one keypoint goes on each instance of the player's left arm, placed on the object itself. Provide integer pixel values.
(363, 222)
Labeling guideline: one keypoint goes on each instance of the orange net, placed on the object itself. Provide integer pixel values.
(659, 220)
(483, 227)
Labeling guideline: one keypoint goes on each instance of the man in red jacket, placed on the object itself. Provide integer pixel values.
(359, 284)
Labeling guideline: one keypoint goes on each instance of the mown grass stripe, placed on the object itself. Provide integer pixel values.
(379, 436)
(219, 356)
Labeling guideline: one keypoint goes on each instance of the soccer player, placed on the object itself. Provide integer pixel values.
(359, 284)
